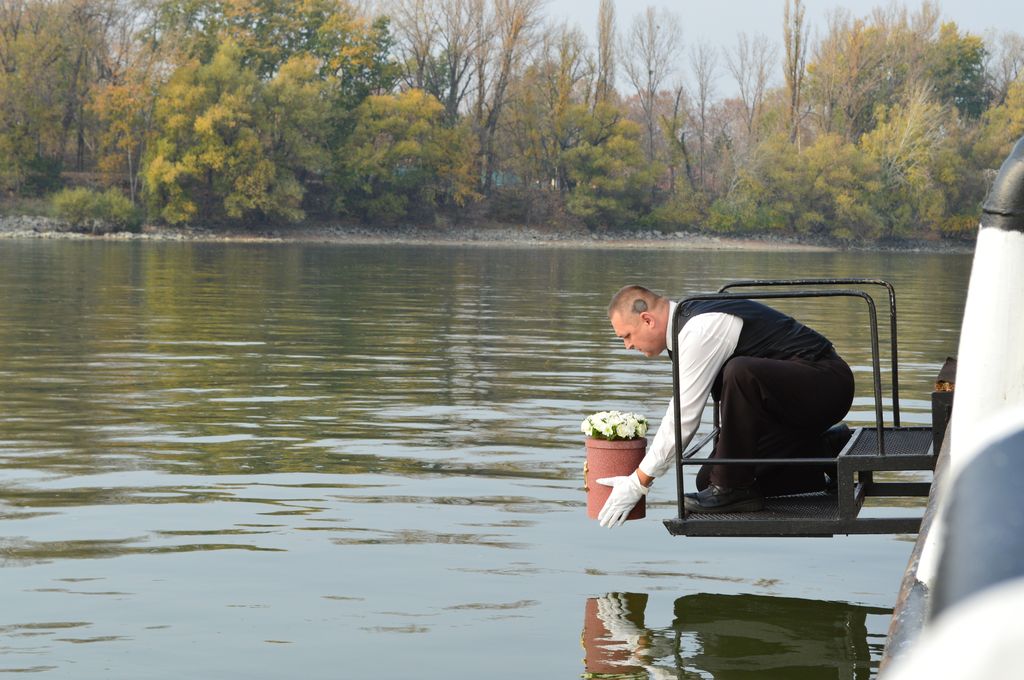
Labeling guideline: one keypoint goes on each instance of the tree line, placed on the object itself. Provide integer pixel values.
(249, 112)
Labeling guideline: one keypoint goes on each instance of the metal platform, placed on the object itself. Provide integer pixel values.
(870, 449)
(811, 514)
(828, 513)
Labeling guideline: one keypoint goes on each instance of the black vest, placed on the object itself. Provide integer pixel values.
(767, 333)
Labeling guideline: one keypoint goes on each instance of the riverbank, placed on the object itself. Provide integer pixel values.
(31, 227)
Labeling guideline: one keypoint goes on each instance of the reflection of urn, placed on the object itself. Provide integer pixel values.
(611, 459)
(607, 651)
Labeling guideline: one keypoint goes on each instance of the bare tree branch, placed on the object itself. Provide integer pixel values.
(652, 43)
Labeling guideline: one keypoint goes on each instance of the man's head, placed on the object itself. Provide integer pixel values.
(640, 319)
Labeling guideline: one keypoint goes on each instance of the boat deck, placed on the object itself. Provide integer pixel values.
(828, 513)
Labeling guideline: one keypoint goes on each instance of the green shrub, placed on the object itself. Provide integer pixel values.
(73, 205)
(97, 212)
(683, 210)
(116, 209)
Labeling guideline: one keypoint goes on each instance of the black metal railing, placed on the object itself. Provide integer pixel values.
(682, 458)
(894, 360)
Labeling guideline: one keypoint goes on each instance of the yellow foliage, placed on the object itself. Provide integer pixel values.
(400, 152)
(1002, 126)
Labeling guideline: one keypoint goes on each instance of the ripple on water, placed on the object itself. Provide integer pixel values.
(303, 456)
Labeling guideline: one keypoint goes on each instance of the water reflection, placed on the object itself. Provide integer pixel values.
(729, 637)
(217, 448)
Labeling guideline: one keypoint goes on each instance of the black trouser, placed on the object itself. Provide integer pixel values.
(778, 408)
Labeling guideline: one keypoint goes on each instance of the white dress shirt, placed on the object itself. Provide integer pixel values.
(705, 343)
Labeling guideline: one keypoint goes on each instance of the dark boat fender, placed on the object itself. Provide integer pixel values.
(1004, 205)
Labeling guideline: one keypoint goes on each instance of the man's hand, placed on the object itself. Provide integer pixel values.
(626, 492)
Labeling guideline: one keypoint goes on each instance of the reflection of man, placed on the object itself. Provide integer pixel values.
(612, 627)
(729, 636)
(780, 384)
(616, 642)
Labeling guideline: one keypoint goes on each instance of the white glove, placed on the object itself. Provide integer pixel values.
(626, 492)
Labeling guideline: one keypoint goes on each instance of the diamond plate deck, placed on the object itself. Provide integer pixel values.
(795, 515)
(906, 448)
(822, 514)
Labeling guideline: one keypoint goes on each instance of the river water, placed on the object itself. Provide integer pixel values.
(270, 461)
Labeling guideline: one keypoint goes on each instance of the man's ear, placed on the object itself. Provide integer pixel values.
(647, 318)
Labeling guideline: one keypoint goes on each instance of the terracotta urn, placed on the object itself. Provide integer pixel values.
(611, 459)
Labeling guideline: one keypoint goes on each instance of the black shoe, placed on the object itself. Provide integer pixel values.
(834, 439)
(723, 499)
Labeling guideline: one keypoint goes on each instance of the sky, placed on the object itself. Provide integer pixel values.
(718, 22)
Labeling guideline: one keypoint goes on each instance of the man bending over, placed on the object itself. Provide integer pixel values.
(780, 385)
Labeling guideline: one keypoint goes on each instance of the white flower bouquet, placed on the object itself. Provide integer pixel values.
(614, 425)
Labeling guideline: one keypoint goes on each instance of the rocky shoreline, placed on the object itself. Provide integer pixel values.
(36, 227)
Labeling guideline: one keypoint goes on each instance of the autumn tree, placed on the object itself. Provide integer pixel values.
(845, 75)
(609, 172)
(415, 26)
(795, 61)
(1001, 127)
(266, 33)
(219, 155)
(436, 41)
(704, 66)
(652, 45)
(606, 62)
(956, 71)
(50, 55)
(544, 119)
(750, 63)
(348, 47)
(499, 58)
(460, 33)
(400, 161)
(122, 100)
(824, 191)
(1004, 62)
(905, 143)
(247, 129)
(864, 63)
(28, 118)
